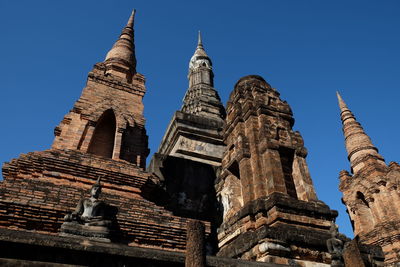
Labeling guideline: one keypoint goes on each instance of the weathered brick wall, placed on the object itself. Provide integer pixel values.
(258, 131)
(104, 93)
(39, 188)
(371, 193)
(265, 187)
(103, 135)
(372, 198)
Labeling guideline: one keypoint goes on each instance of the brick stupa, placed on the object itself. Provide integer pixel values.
(102, 136)
(371, 192)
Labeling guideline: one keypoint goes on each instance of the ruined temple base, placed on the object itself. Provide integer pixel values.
(278, 229)
(22, 248)
(292, 262)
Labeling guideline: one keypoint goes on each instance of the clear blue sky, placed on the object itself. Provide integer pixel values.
(305, 49)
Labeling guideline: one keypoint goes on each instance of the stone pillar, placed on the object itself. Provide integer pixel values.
(352, 255)
(195, 249)
(117, 143)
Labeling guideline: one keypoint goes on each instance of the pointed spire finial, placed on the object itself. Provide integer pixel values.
(131, 19)
(199, 42)
(123, 51)
(342, 104)
(358, 144)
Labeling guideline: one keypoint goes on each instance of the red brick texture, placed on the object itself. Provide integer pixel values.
(105, 94)
(265, 183)
(371, 193)
(39, 188)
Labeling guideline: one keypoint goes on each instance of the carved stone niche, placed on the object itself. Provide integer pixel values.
(92, 218)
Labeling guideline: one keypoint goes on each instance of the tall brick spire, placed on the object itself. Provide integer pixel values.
(201, 98)
(121, 57)
(371, 192)
(107, 120)
(358, 144)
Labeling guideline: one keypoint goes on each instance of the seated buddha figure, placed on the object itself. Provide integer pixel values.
(90, 211)
(90, 217)
(335, 246)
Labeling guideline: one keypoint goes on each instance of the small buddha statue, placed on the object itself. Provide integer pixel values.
(335, 246)
(90, 211)
(90, 217)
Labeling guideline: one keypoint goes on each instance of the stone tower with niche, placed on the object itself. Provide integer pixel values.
(371, 192)
(270, 209)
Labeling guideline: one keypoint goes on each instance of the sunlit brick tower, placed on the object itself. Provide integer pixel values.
(107, 120)
(371, 192)
(192, 147)
(270, 210)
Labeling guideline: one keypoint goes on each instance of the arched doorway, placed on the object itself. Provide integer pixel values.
(102, 143)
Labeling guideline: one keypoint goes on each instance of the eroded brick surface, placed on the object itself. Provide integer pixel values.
(270, 210)
(102, 136)
(41, 187)
(371, 192)
(268, 206)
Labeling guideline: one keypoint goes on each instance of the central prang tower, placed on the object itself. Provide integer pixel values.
(201, 98)
(192, 147)
(270, 210)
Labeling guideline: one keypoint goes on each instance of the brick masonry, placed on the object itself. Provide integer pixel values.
(270, 210)
(102, 136)
(263, 206)
(371, 192)
(41, 187)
